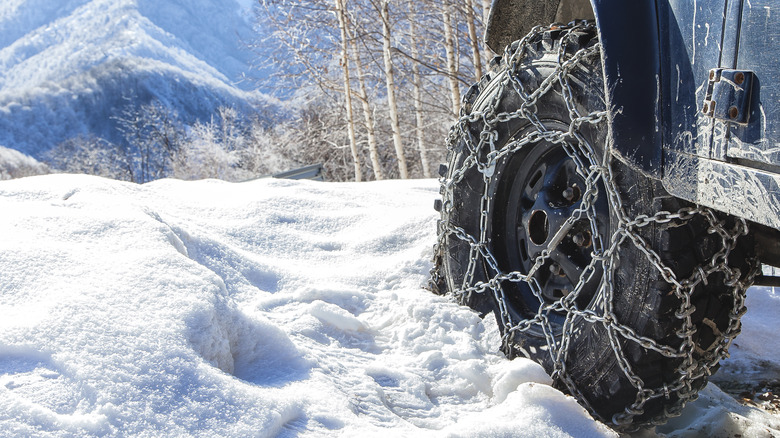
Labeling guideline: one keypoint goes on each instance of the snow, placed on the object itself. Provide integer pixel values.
(14, 164)
(264, 308)
(757, 341)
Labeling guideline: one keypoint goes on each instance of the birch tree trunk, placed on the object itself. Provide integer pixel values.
(474, 39)
(367, 114)
(486, 51)
(341, 12)
(391, 100)
(485, 12)
(417, 96)
(452, 69)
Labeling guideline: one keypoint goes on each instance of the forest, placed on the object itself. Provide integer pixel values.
(367, 88)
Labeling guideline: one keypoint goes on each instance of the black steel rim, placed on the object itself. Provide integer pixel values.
(537, 192)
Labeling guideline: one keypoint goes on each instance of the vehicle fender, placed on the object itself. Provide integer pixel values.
(631, 62)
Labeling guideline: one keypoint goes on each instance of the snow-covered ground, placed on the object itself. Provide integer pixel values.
(271, 308)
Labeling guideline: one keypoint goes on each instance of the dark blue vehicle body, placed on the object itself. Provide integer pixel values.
(694, 94)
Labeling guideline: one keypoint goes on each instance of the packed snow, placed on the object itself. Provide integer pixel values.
(270, 308)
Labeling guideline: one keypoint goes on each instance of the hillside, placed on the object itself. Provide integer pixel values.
(67, 67)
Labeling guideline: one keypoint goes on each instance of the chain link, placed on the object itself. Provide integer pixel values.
(480, 152)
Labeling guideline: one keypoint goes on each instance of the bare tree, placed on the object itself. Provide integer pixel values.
(417, 96)
(473, 39)
(452, 67)
(391, 100)
(368, 114)
(342, 15)
(90, 155)
(410, 61)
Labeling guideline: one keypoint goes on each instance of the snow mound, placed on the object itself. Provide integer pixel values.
(267, 307)
(264, 308)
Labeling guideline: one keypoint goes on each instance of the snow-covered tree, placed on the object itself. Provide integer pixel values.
(153, 138)
(410, 61)
(14, 164)
(92, 156)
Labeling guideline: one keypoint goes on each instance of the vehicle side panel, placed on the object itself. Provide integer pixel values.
(757, 144)
(728, 167)
(692, 34)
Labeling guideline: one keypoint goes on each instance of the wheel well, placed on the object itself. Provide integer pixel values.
(767, 244)
(632, 66)
(569, 10)
(511, 19)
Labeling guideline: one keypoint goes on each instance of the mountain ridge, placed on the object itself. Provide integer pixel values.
(65, 69)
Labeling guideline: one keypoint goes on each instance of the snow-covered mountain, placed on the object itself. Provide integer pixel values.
(14, 164)
(68, 66)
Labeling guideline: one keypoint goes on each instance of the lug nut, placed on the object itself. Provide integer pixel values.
(568, 194)
(581, 239)
(557, 270)
(571, 193)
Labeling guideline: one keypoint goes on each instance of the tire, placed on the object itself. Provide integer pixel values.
(626, 295)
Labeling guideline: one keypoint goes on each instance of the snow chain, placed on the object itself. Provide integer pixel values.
(483, 155)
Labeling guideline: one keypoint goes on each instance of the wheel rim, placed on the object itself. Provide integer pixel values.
(536, 193)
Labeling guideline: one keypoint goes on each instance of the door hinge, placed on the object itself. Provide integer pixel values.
(728, 95)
